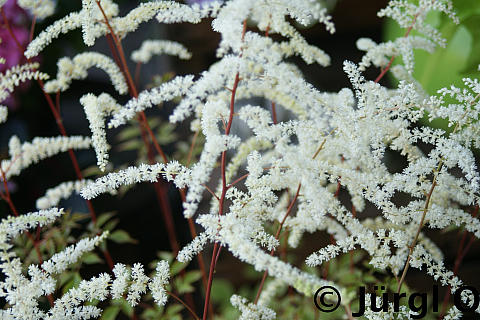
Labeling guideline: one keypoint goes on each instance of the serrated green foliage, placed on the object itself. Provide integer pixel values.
(110, 313)
(121, 236)
(185, 283)
(462, 54)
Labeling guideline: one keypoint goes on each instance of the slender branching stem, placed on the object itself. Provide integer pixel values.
(411, 247)
(277, 236)
(407, 33)
(174, 296)
(224, 185)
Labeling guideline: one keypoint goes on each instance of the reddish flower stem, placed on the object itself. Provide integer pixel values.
(32, 28)
(9, 29)
(461, 252)
(224, 185)
(7, 197)
(55, 109)
(420, 226)
(55, 113)
(160, 190)
(407, 33)
(277, 236)
(184, 304)
(161, 187)
(274, 113)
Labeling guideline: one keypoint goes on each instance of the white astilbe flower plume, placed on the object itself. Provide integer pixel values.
(66, 24)
(62, 191)
(157, 285)
(20, 292)
(96, 110)
(408, 15)
(28, 153)
(76, 69)
(251, 311)
(3, 113)
(88, 6)
(193, 248)
(147, 99)
(12, 226)
(120, 283)
(138, 285)
(23, 293)
(172, 171)
(379, 54)
(70, 255)
(149, 48)
(39, 8)
(264, 171)
(131, 175)
(91, 20)
(14, 76)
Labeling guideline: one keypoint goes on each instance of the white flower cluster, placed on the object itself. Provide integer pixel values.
(97, 288)
(28, 153)
(76, 69)
(172, 171)
(409, 15)
(378, 54)
(22, 293)
(96, 110)
(158, 283)
(91, 20)
(3, 113)
(12, 226)
(136, 282)
(147, 99)
(150, 48)
(250, 311)
(39, 8)
(68, 23)
(54, 195)
(70, 255)
(131, 175)
(16, 75)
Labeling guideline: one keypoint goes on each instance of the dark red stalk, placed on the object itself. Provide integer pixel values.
(224, 185)
(461, 252)
(277, 236)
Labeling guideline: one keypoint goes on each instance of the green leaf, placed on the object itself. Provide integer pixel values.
(176, 267)
(91, 258)
(110, 225)
(182, 286)
(174, 309)
(121, 236)
(129, 133)
(74, 281)
(110, 313)
(130, 145)
(124, 306)
(103, 218)
(192, 276)
(472, 24)
(92, 171)
(166, 255)
(220, 290)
